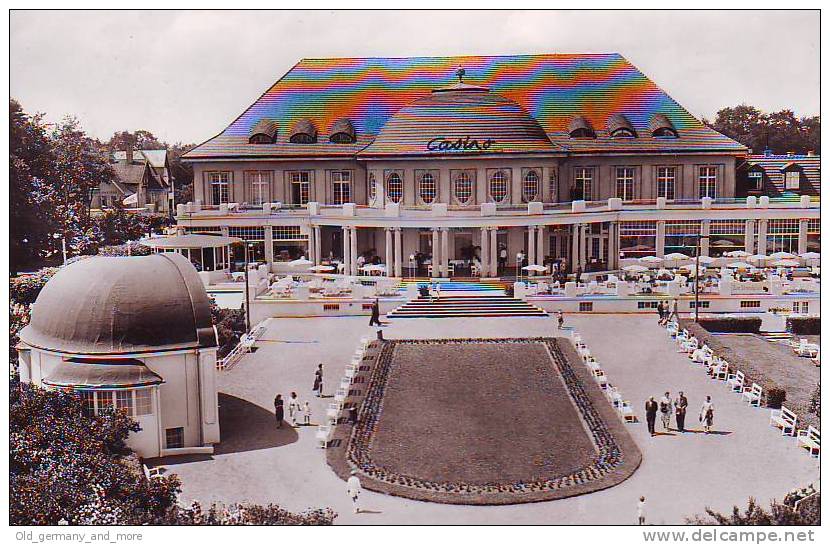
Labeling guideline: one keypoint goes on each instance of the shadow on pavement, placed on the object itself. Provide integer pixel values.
(245, 426)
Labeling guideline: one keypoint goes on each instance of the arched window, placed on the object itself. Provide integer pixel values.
(394, 187)
(304, 132)
(498, 186)
(261, 139)
(427, 188)
(342, 132)
(373, 187)
(665, 132)
(463, 187)
(580, 127)
(623, 133)
(302, 138)
(530, 186)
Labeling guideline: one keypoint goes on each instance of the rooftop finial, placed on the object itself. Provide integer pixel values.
(460, 73)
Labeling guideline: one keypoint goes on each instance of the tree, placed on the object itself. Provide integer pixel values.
(780, 132)
(755, 515)
(30, 161)
(140, 139)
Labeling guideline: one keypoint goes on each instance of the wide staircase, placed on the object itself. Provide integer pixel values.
(467, 299)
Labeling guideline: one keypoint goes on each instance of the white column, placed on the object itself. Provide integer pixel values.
(613, 245)
(583, 246)
(390, 269)
(445, 254)
(660, 245)
(436, 264)
(531, 247)
(574, 261)
(749, 236)
(269, 245)
(541, 247)
(318, 244)
(802, 236)
(353, 246)
(494, 251)
(762, 237)
(312, 245)
(398, 253)
(485, 252)
(347, 260)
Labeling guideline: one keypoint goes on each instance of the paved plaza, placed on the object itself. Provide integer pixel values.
(680, 474)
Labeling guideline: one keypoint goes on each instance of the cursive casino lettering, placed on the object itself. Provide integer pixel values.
(460, 144)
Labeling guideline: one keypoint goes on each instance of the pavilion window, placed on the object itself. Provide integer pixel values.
(625, 183)
(341, 181)
(143, 401)
(463, 187)
(681, 236)
(288, 242)
(638, 238)
(254, 238)
(708, 182)
(814, 235)
(219, 187)
(300, 184)
(530, 186)
(258, 185)
(792, 180)
(726, 236)
(583, 183)
(87, 398)
(394, 187)
(498, 186)
(782, 235)
(553, 182)
(427, 188)
(104, 401)
(666, 177)
(124, 401)
(174, 437)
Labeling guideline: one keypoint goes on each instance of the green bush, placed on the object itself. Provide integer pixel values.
(25, 288)
(776, 397)
(804, 326)
(731, 324)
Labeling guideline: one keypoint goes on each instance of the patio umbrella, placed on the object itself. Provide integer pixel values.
(371, 268)
(704, 259)
(737, 253)
(535, 268)
(758, 257)
(739, 265)
(809, 255)
(300, 262)
(782, 255)
(786, 263)
(676, 256)
(651, 259)
(635, 268)
(322, 268)
(661, 272)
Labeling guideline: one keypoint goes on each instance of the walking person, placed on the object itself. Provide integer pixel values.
(560, 319)
(660, 313)
(318, 381)
(293, 408)
(665, 411)
(353, 489)
(680, 405)
(307, 413)
(438, 291)
(502, 259)
(707, 414)
(673, 313)
(375, 319)
(279, 410)
(651, 414)
(641, 511)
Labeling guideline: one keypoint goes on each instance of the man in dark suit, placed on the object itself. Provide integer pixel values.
(651, 414)
(375, 319)
(680, 405)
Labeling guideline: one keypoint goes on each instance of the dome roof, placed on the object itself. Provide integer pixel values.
(462, 119)
(122, 305)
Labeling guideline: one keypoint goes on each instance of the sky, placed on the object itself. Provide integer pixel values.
(185, 75)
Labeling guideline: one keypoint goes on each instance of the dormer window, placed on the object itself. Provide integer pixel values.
(661, 127)
(756, 180)
(792, 179)
(304, 132)
(579, 127)
(620, 127)
(342, 132)
(264, 132)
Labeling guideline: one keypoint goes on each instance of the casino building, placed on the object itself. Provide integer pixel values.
(576, 158)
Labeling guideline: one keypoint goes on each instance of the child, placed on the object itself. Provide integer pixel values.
(307, 414)
(293, 408)
(641, 511)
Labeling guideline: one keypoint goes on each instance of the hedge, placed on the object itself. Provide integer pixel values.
(804, 326)
(731, 324)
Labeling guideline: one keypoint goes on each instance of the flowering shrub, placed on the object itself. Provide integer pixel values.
(230, 326)
(247, 514)
(18, 319)
(779, 514)
(25, 288)
(126, 249)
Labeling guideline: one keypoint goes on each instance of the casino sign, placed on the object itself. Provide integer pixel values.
(459, 144)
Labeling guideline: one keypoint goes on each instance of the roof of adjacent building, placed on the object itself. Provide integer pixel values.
(774, 167)
(130, 174)
(156, 157)
(122, 305)
(551, 88)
